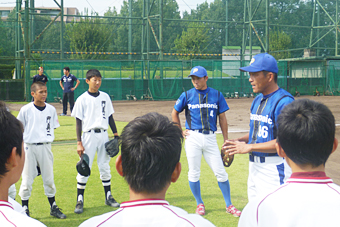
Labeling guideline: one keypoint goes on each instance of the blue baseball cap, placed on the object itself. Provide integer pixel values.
(261, 62)
(198, 71)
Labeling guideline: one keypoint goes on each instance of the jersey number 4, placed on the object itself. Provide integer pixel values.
(211, 113)
(263, 131)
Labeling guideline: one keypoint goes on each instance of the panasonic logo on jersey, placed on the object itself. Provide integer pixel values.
(204, 105)
(261, 118)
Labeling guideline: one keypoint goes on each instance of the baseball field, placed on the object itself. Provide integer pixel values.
(179, 194)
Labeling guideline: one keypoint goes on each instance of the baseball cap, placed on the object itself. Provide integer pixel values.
(261, 62)
(198, 71)
(83, 165)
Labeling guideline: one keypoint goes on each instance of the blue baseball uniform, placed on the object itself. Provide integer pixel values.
(266, 170)
(68, 94)
(201, 110)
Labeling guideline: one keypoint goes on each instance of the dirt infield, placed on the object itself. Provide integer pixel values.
(238, 118)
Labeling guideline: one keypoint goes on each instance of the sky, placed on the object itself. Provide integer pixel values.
(100, 6)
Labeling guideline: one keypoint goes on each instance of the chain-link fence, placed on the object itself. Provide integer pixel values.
(166, 80)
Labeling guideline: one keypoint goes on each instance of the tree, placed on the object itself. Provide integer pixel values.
(193, 40)
(279, 40)
(88, 35)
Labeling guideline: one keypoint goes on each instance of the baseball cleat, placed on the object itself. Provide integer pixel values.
(79, 207)
(232, 210)
(112, 202)
(200, 209)
(56, 212)
(26, 210)
(62, 114)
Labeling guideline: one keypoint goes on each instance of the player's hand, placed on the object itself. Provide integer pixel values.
(80, 148)
(72, 89)
(236, 147)
(186, 133)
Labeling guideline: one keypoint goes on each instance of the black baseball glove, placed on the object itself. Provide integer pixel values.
(112, 147)
(226, 158)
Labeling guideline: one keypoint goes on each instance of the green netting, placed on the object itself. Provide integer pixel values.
(166, 80)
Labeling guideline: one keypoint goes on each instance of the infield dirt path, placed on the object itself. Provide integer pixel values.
(237, 116)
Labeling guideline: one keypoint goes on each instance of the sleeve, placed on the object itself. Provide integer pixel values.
(61, 79)
(46, 78)
(223, 106)
(181, 103)
(55, 119)
(21, 117)
(34, 79)
(74, 78)
(78, 111)
(110, 109)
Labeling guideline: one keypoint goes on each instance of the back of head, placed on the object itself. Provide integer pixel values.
(37, 85)
(150, 149)
(93, 73)
(306, 131)
(10, 136)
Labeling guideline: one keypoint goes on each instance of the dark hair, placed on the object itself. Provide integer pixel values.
(151, 148)
(92, 73)
(275, 75)
(67, 68)
(36, 85)
(306, 131)
(10, 136)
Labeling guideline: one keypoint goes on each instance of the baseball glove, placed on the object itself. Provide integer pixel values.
(112, 147)
(226, 158)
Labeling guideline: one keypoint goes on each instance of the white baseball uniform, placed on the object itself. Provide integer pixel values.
(16, 206)
(94, 112)
(38, 135)
(11, 218)
(306, 199)
(148, 213)
(12, 191)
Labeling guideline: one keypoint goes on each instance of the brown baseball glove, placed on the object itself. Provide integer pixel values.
(226, 158)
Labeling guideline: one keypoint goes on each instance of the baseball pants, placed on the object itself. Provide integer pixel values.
(68, 97)
(37, 155)
(197, 144)
(93, 142)
(267, 176)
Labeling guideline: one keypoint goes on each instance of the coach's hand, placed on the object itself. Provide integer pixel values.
(186, 133)
(80, 148)
(236, 147)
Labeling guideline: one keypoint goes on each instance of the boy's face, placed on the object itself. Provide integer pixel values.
(200, 83)
(94, 83)
(40, 95)
(41, 70)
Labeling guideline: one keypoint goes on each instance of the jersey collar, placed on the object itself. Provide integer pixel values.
(6, 204)
(203, 92)
(144, 202)
(310, 177)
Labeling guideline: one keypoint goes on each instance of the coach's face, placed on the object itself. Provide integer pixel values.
(259, 82)
(94, 84)
(200, 83)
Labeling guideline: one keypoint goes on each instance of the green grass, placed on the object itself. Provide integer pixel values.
(179, 194)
